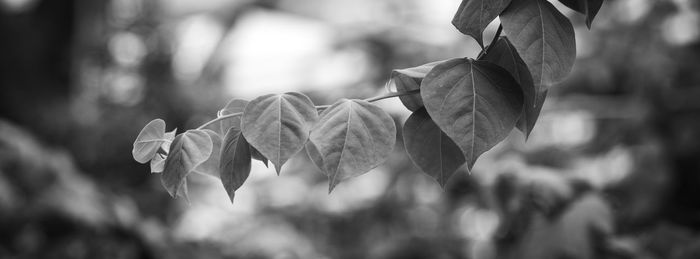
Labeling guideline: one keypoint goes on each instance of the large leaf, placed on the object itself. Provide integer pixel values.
(187, 151)
(211, 165)
(409, 79)
(278, 125)
(351, 138)
(158, 162)
(476, 103)
(235, 161)
(431, 149)
(588, 7)
(505, 55)
(473, 16)
(149, 141)
(543, 37)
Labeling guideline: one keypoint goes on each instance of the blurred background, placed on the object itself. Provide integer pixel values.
(612, 169)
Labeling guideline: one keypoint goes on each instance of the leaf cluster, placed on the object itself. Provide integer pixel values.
(462, 107)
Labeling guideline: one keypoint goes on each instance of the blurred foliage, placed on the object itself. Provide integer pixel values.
(610, 171)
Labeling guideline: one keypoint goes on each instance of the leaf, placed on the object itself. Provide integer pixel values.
(257, 156)
(315, 155)
(211, 165)
(476, 103)
(278, 125)
(409, 79)
(148, 141)
(188, 150)
(430, 149)
(232, 107)
(235, 161)
(588, 7)
(505, 55)
(473, 16)
(543, 37)
(351, 138)
(158, 162)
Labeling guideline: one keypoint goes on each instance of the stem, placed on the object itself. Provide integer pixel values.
(492, 44)
(218, 119)
(319, 107)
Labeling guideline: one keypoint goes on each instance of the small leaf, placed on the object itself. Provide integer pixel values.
(148, 141)
(430, 149)
(232, 107)
(409, 79)
(158, 162)
(476, 103)
(211, 165)
(505, 55)
(235, 161)
(187, 151)
(257, 156)
(588, 7)
(278, 125)
(543, 37)
(473, 16)
(351, 138)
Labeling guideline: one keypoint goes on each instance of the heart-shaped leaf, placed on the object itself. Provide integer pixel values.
(149, 141)
(476, 103)
(235, 161)
(211, 165)
(505, 55)
(187, 151)
(409, 79)
(232, 107)
(351, 137)
(543, 37)
(473, 16)
(588, 7)
(278, 125)
(430, 149)
(158, 162)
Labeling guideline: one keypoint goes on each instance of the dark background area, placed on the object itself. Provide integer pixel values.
(612, 170)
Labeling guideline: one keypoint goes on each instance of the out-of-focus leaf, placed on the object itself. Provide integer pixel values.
(473, 16)
(352, 137)
(543, 37)
(232, 107)
(431, 149)
(224, 124)
(257, 156)
(235, 161)
(505, 55)
(148, 141)
(187, 151)
(211, 166)
(588, 7)
(476, 103)
(158, 162)
(278, 125)
(409, 79)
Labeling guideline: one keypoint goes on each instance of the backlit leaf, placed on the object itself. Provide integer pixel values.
(351, 138)
(476, 103)
(473, 16)
(158, 162)
(409, 79)
(430, 149)
(588, 7)
(148, 141)
(235, 161)
(187, 151)
(505, 55)
(211, 165)
(278, 125)
(543, 37)
(232, 107)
